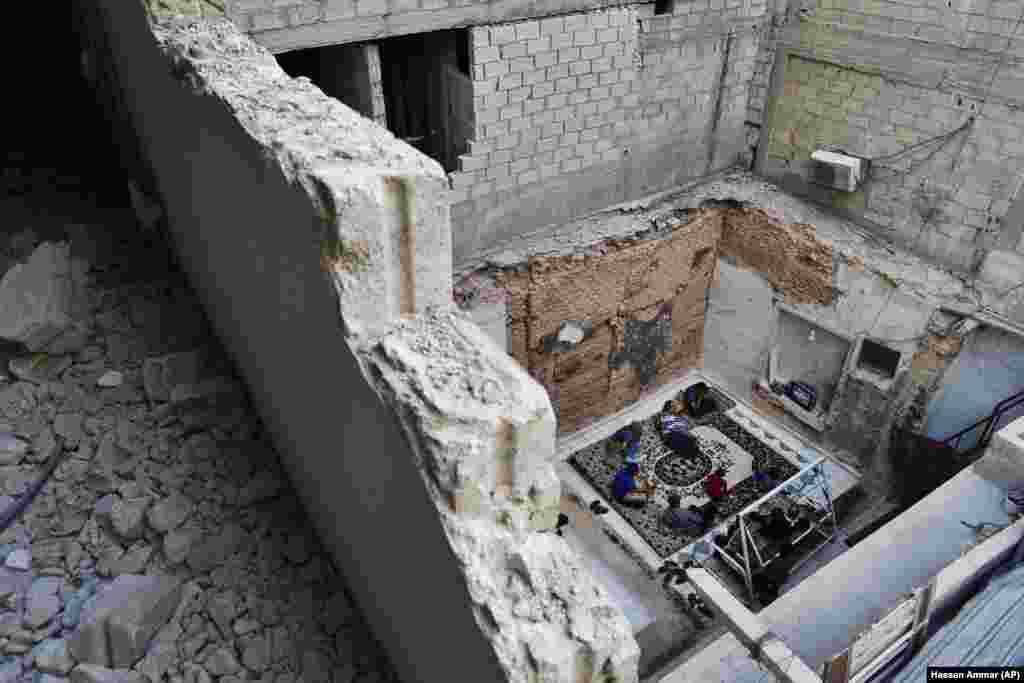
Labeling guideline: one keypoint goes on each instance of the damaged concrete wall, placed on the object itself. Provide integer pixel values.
(614, 319)
(988, 369)
(769, 267)
(884, 83)
(578, 113)
(417, 441)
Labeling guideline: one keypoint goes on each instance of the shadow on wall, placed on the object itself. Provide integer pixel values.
(988, 369)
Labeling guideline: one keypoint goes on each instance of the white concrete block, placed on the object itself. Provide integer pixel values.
(1003, 460)
(1002, 268)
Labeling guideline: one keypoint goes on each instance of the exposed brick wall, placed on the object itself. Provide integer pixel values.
(790, 257)
(644, 303)
(579, 112)
(876, 77)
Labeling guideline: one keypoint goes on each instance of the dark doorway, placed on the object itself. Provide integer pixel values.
(428, 92)
(345, 72)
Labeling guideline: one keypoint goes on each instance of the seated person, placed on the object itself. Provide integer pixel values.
(766, 478)
(627, 441)
(774, 526)
(698, 402)
(627, 490)
(690, 521)
(675, 428)
(715, 486)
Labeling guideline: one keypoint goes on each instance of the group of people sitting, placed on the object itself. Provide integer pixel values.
(675, 423)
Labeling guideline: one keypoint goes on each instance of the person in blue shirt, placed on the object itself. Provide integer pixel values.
(766, 477)
(675, 427)
(627, 490)
(627, 442)
(690, 521)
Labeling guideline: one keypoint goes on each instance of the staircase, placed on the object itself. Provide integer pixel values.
(983, 429)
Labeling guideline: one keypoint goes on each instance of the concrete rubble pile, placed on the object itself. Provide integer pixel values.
(168, 545)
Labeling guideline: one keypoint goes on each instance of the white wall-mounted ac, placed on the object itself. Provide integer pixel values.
(837, 171)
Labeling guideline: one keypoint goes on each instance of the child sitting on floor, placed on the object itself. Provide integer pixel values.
(627, 442)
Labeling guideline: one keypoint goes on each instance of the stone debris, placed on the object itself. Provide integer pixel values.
(122, 620)
(39, 369)
(12, 449)
(110, 379)
(128, 518)
(51, 656)
(87, 673)
(38, 300)
(20, 560)
(169, 544)
(170, 513)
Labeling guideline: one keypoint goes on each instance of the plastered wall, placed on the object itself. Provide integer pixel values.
(778, 282)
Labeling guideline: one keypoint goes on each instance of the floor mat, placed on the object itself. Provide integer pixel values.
(683, 476)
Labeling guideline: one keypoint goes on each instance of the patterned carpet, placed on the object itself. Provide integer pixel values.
(675, 474)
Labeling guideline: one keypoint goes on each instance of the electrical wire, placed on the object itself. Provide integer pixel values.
(981, 110)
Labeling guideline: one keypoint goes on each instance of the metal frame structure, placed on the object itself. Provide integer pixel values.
(811, 475)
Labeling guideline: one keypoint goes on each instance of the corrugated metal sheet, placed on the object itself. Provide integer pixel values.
(988, 631)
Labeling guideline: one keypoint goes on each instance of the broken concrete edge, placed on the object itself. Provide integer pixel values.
(379, 215)
(854, 249)
(482, 432)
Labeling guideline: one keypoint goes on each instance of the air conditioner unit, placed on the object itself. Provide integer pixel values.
(835, 170)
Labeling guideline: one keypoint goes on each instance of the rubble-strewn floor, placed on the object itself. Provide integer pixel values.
(167, 474)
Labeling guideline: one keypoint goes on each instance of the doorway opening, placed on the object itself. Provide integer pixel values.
(428, 92)
(349, 73)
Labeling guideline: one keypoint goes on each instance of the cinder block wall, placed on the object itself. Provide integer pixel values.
(290, 24)
(876, 78)
(581, 112)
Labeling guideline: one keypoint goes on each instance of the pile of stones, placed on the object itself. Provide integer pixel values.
(168, 544)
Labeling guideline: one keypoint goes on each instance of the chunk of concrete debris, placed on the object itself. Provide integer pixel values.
(20, 560)
(12, 449)
(89, 673)
(42, 603)
(10, 671)
(110, 379)
(51, 657)
(40, 368)
(39, 299)
(178, 545)
(215, 549)
(222, 662)
(161, 375)
(69, 427)
(40, 609)
(128, 517)
(123, 619)
(169, 513)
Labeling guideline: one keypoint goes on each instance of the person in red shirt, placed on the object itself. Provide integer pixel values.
(715, 485)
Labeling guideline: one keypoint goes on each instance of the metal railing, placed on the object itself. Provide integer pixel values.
(986, 426)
